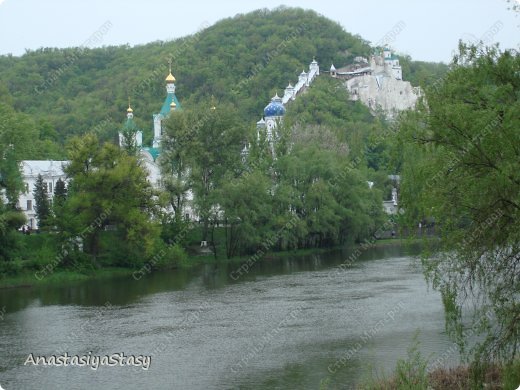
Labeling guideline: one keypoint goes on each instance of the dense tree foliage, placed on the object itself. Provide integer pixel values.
(207, 141)
(109, 190)
(41, 203)
(28, 138)
(60, 193)
(421, 73)
(241, 60)
(306, 178)
(349, 125)
(14, 142)
(462, 161)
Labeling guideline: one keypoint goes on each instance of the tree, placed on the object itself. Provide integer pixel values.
(461, 169)
(205, 143)
(11, 184)
(60, 193)
(16, 143)
(174, 160)
(216, 149)
(10, 221)
(246, 212)
(10, 176)
(109, 188)
(42, 205)
(129, 137)
(60, 197)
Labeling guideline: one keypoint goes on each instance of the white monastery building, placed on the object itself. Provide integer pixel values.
(378, 83)
(51, 172)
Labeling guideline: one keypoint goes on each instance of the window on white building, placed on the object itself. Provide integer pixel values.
(50, 187)
(26, 188)
(29, 205)
(45, 188)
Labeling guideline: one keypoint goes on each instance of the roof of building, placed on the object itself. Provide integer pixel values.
(154, 152)
(166, 107)
(275, 108)
(170, 78)
(43, 167)
(353, 68)
(130, 125)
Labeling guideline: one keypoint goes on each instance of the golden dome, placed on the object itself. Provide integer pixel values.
(170, 78)
(129, 110)
(173, 105)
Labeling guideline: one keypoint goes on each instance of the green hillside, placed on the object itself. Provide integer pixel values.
(241, 60)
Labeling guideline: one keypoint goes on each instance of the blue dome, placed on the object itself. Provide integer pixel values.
(275, 108)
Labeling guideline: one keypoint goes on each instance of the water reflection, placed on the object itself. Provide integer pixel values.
(125, 290)
(208, 331)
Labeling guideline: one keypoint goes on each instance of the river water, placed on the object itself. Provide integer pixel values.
(289, 323)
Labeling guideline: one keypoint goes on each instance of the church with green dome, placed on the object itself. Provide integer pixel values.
(132, 136)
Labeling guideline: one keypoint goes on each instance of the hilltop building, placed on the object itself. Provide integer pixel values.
(378, 83)
(275, 110)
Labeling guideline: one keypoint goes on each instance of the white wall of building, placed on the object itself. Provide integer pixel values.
(51, 172)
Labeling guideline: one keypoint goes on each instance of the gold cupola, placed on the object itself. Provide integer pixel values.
(170, 78)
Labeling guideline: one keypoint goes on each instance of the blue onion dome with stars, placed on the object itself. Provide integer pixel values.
(275, 108)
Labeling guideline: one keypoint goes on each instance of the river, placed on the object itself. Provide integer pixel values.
(290, 323)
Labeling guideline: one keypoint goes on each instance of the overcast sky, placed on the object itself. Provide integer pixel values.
(427, 30)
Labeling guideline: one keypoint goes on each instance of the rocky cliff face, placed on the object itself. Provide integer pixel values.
(383, 92)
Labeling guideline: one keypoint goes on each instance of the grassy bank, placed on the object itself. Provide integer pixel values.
(492, 377)
(27, 278)
(412, 374)
(37, 252)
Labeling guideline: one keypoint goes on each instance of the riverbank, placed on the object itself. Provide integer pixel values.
(492, 377)
(210, 258)
(63, 276)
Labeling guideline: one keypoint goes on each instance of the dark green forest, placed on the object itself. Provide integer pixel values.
(71, 103)
(242, 60)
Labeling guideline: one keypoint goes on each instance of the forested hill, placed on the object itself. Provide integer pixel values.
(243, 60)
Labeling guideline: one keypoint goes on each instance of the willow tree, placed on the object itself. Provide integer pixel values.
(462, 169)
